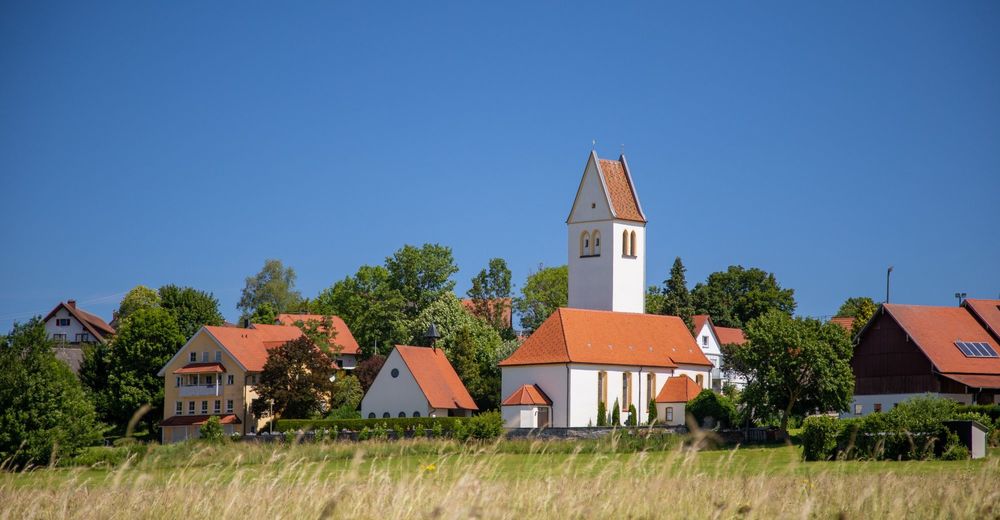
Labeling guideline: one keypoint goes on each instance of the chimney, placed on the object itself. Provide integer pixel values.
(246, 323)
(71, 303)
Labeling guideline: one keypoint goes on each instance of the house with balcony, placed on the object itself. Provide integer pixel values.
(70, 328)
(214, 374)
(710, 338)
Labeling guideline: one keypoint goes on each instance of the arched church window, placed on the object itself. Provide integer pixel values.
(602, 387)
(700, 379)
(584, 243)
(596, 237)
(626, 391)
(625, 245)
(633, 245)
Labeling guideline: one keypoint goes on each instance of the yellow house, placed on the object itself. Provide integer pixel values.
(214, 374)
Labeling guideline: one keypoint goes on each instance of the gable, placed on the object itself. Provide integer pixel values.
(436, 377)
(592, 202)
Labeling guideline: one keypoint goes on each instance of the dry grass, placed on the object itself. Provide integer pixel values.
(439, 479)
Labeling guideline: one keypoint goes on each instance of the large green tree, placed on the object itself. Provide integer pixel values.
(371, 308)
(793, 366)
(297, 379)
(675, 298)
(737, 295)
(43, 409)
(421, 275)
(274, 285)
(144, 343)
(491, 295)
(190, 307)
(139, 297)
(543, 292)
(861, 308)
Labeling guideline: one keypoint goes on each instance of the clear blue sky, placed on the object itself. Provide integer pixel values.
(185, 142)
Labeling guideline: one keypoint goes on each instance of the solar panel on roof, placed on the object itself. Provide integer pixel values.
(964, 348)
(978, 349)
(989, 350)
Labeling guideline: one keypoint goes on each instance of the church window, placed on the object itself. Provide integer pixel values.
(626, 391)
(650, 386)
(700, 379)
(602, 387)
(625, 246)
(633, 245)
(596, 236)
(585, 244)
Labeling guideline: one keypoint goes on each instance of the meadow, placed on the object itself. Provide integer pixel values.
(505, 479)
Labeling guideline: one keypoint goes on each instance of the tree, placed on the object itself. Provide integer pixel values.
(675, 298)
(738, 295)
(652, 411)
(491, 293)
(793, 366)
(296, 377)
(139, 297)
(861, 308)
(144, 343)
(616, 415)
(545, 290)
(633, 416)
(421, 275)
(211, 431)
(710, 405)
(347, 392)
(190, 307)
(274, 285)
(373, 308)
(368, 369)
(43, 409)
(602, 414)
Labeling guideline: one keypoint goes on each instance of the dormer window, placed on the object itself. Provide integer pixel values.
(704, 341)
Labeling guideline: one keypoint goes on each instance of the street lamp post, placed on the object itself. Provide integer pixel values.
(887, 273)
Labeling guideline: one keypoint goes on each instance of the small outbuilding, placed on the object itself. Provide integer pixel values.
(417, 382)
(527, 407)
(672, 400)
(972, 435)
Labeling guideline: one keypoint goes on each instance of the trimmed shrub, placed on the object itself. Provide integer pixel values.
(602, 414)
(632, 416)
(616, 415)
(709, 404)
(652, 411)
(990, 410)
(819, 437)
(484, 427)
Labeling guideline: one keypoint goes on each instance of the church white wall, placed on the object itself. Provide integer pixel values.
(629, 274)
(677, 418)
(552, 379)
(583, 379)
(591, 278)
(520, 416)
(395, 395)
(693, 371)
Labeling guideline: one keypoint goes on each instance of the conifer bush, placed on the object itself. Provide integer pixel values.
(616, 417)
(602, 414)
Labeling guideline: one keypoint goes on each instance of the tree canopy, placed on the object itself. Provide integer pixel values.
(491, 293)
(190, 307)
(139, 297)
(296, 377)
(673, 299)
(861, 308)
(543, 292)
(273, 285)
(793, 366)
(43, 409)
(421, 275)
(737, 295)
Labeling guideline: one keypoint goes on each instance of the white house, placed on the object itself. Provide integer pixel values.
(417, 382)
(70, 328)
(602, 349)
(710, 338)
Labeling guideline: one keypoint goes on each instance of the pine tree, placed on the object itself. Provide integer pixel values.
(676, 297)
(633, 416)
(616, 417)
(602, 414)
(652, 411)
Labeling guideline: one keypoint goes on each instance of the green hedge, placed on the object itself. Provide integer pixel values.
(819, 437)
(990, 410)
(447, 424)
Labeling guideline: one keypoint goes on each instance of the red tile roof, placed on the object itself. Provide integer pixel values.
(527, 395)
(344, 338)
(94, 325)
(678, 389)
(609, 338)
(436, 377)
(988, 311)
(699, 321)
(470, 305)
(250, 346)
(624, 202)
(976, 380)
(201, 368)
(190, 420)
(935, 331)
(729, 335)
(846, 322)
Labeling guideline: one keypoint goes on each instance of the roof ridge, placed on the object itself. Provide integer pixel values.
(562, 330)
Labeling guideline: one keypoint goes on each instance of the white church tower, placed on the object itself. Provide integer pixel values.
(607, 240)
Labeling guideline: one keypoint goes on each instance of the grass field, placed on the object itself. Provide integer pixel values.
(514, 479)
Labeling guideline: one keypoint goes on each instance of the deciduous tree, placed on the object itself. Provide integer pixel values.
(421, 275)
(190, 307)
(491, 293)
(367, 370)
(737, 295)
(296, 377)
(139, 297)
(545, 290)
(274, 285)
(861, 308)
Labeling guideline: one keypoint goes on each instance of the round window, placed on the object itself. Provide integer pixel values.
(395, 372)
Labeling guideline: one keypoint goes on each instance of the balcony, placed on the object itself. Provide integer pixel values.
(199, 390)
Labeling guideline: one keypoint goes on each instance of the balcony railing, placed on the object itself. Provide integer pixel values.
(201, 389)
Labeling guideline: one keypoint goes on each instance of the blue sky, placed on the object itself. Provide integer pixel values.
(186, 142)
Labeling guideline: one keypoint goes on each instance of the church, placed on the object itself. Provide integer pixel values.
(603, 348)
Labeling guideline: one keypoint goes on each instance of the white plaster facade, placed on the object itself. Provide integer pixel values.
(601, 275)
(671, 414)
(398, 396)
(710, 346)
(526, 416)
(74, 332)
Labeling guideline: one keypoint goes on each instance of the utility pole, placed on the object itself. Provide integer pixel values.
(887, 273)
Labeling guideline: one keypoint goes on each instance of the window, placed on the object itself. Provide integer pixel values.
(340, 363)
(625, 246)
(402, 414)
(204, 357)
(385, 415)
(670, 413)
(394, 372)
(416, 414)
(596, 236)
(218, 356)
(178, 380)
(584, 244)
(192, 357)
(700, 379)
(626, 390)
(59, 338)
(371, 415)
(878, 407)
(633, 245)
(704, 341)
(229, 379)
(62, 322)
(83, 338)
(179, 409)
(858, 409)
(229, 406)
(602, 387)
(650, 386)
(253, 379)
(204, 407)
(193, 380)
(191, 407)
(218, 407)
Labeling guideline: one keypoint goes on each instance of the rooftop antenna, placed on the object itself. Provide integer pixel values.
(623, 148)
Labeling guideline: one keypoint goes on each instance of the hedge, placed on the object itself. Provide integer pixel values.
(819, 437)
(448, 424)
(990, 410)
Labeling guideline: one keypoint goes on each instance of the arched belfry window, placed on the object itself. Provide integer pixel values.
(625, 245)
(584, 244)
(633, 245)
(596, 237)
